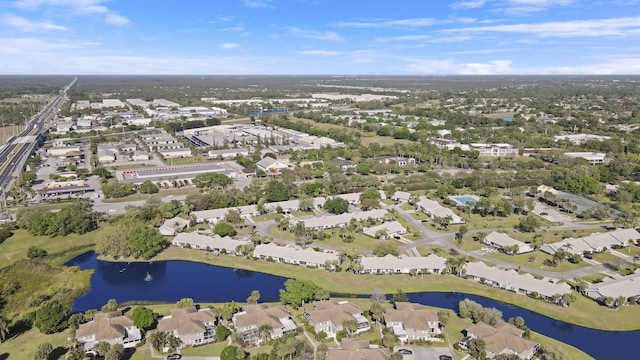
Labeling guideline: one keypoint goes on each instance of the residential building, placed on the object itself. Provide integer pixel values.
(110, 327)
(434, 209)
(627, 287)
(276, 319)
(398, 160)
(385, 230)
(173, 225)
(494, 150)
(357, 349)
(342, 163)
(228, 153)
(331, 221)
(389, 264)
(506, 243)
(503, 338)
(215, 243)
(193, 327)
(410, 322)
(292, 254)
(271, 165)
(401, 196)
(330, 315)
(596, 242)
(512, 280)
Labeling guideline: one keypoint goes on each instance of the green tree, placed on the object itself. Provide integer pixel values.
(384, 248)
(115, 352)
(528, 224)
(43, 351)
(111, 305)
(297, 292)
(146, 242)
(399, 296)
(157, 340)
(477, 348)
(221, 332)
(336, 205)
(185, 303)
(443, 317)
(254, 297)
(276, 190)
(224, 228)
(148, 187)
(228, 353)
(212, 180)
(143, 318)
(50, 317)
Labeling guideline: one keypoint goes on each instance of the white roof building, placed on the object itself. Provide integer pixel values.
(592, 157)
(392, 228)
(595, 242)
(401, 196)
(514, 281)
(211, 243)
(434, 209)
(502, 241)
(628, 286)
(331, 221)
(293, 254)
(402, 265)
(169, 227)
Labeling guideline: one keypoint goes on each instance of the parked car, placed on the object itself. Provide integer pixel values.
(405, 352)
(445, 357)
(174, 357)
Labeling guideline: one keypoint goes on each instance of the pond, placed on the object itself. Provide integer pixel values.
(169, 281)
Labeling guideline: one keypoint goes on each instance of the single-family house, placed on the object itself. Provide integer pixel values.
(249, 321)
(110, 327)
(398, 160)
(357, 349)
(331, 221)
(385, 230)
(506, 243)
(342, 163)
(214, 243)
(214, 215)
(434, 209)
(389, 264)
(595, 242)
(410, 322)
(173, 225)
(503, 338)
(330, 315)
(193, 327)
(401, 196)
(271, 165)
(292, 254)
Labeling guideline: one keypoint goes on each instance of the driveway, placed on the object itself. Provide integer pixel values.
(425, 353)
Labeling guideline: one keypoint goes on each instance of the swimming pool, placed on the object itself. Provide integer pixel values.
(465, 200)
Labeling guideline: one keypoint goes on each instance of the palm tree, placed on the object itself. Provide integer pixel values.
(264, 331)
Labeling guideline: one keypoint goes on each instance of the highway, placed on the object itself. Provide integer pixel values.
(14, 154)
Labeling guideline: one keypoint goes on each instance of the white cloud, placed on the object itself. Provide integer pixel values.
(228, 46)
(29, 26)
(321, 52)
(76, 7)
(28, 47)
(472, 4)
(526, 7)
(403, 38)
(429, 66)
(400, 23)
(316, 35)
(616, 27)
(257, 3)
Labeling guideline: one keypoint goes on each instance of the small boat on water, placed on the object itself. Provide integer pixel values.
(123, 269)
(148, 277)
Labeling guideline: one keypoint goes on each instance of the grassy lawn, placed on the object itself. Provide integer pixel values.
(553, 235)
(205, 350)
(360, 241)
(419, 215)
(537, 260)
(470, 244)
(302, 213)
(594, 278)
(196, 159)
(428, 250)
(23, 347)
(388, 202)
(266, 217)
(478, 222)
(164, 193)
(407, 207)
(604, 257)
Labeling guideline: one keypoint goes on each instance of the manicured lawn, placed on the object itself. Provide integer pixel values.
(205, 350)
(428, 250)
(604, 257)
(23, 347)
(266, 217)
(478, 222)
(419, 215)
(470, 244)
(553, 235)
(302, 213)
(407, 207)
(594, 278)
(197, 159)
(360, 241)
(538, 262)
(164, 193)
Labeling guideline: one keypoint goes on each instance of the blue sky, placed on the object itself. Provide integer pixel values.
(319, 37)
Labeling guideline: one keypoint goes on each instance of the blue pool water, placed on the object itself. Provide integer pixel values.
(466, 200)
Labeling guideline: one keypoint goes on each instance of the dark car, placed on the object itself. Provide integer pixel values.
(405, 352)
(445, 357)
(174, 357)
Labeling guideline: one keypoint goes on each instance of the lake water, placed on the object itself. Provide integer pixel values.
(169, 281)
